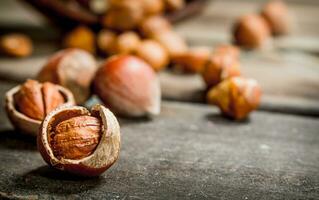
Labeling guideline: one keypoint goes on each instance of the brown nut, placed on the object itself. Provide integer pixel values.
(123, 15)
(277, 15)
(154, 25)
(251, 31)
(220, 67)
(81, 37)
(73, 69)
(80, 142)
(194, 60)
(153, 7)
(228, 49)
(127, 42)
(106, 42)
(173, 5)
(236, 97)
(153, 53)
(172, 42)
(29, 103)
(17, 45)
(128, 86)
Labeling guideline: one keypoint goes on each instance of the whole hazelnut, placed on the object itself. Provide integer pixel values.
(78, 141)
(153, 7)
(194, 60)
(172, 42)
(228, 49)
(219, 67)
(16, 45)
(277, 15)
(123, 15)
(81, 37)
(154, 25)
(173, 5)
(29, 103)
(236, 97)
(251, 31)
(106, 42)
(128, 86)
(127, 42)
(73, 69)
(153, 53)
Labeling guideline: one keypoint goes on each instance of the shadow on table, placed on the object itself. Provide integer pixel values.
(49, 180)
(11, 139)
(218, 118)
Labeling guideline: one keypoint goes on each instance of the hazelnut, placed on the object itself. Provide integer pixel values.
(106, 42)
(219, 67)
(172, 42)
(194, 60)
(153, 53)
(127, 42)
(128, 86)
(251, 31)
(173, 5)
(153, 7)
(78, 141)
(228, 49)
(154, 25)
(81, 37)
(277, 15)
(29, 103)
(236, 97)
(73, 69)
(123, 15)
(17, 45)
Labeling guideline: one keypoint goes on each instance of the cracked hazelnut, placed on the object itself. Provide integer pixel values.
(251, 31)
(78, 141)
(277, 15)
(128, 86)
(194, 60)
(29, 103)
(16, 45)
(236, 97)
(73, 69)
(81, 37)
(153, 53)
(219, 67)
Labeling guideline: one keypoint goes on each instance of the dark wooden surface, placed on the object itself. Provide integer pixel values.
(189, 151)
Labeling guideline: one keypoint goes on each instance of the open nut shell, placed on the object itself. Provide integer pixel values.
(24, 123)
(103, 157)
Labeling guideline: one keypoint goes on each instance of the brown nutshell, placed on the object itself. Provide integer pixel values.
(16, 45)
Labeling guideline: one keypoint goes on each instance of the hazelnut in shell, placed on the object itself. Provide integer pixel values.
(29, 103)
(277, 15)
(106, 41)
(16, 45)
(154, 25)
(228, 49)
(73, 69)
(153, 7)
(78, 141)
(81, 37)
(194, 60)
(251, 31)
(236, 97)
(219, 67)
(127, 42)
(173, 5)
(153, 53)
(128, 86)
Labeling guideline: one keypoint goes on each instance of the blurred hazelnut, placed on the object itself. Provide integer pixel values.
(153, 7)
(73, 69)
(277, 15)
(251, 31)
(106, 42)
(81, 37)
(220, 66)
(128, 86)
(123, 15)
(153, 53)
(194, 60)
(153, 25)
(172, 42)
(15, 44)
(173, 5)
(127, 42)
(228, 49)
(236, 97)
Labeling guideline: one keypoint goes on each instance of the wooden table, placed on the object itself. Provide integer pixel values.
(189, 151)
